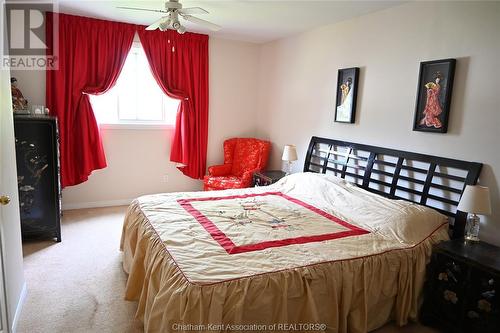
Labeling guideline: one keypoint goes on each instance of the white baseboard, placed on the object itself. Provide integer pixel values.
(96, 204)
(19, 308)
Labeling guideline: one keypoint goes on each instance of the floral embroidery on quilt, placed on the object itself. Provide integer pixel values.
(270, 219)
(253, 210)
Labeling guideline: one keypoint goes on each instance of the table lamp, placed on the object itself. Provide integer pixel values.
(474, 200)
(289, 155)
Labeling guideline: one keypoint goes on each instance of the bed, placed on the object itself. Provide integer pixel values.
(326, 250)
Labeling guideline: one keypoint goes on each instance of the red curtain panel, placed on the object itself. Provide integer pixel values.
(91, 54)
(179, 64)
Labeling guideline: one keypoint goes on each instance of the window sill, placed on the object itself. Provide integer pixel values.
(136, 126)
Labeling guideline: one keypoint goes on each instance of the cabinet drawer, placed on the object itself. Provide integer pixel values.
(446, 289)
(482, 305)
(461, 289)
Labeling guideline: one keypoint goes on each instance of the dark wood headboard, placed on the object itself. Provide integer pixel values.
(433, 181)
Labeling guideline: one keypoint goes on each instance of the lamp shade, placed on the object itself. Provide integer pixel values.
(475, 199)
(289, 153)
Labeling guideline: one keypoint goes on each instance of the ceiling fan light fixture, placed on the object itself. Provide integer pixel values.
(176, 25)
(164, 25)
(181, 30)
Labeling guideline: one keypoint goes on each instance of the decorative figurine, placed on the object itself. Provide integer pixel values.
(19, 103)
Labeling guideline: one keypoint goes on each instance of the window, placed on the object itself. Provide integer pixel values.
(136, 98)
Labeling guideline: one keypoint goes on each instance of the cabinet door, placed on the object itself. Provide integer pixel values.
(36, 154)
(482, 305)
(445, 292)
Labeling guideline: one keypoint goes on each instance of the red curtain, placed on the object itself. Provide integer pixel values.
(179, 64)
(91, 55)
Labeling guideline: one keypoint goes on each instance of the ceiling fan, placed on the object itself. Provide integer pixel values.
(174, 10)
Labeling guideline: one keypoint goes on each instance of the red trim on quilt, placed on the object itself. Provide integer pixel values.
(231, 248)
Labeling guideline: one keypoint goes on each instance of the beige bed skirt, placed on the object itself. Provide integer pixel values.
(355, 295)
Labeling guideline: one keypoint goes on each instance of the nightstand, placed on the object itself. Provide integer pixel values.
(461, 291)
(264, 178)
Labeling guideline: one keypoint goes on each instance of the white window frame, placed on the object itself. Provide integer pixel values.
(137, 124)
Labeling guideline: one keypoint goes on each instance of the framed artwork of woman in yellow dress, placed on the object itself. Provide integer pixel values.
(347, 91)
(435, 85)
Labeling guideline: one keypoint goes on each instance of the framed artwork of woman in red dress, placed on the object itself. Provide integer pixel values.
(435, 84)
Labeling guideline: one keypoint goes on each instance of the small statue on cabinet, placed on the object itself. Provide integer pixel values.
(19, 103)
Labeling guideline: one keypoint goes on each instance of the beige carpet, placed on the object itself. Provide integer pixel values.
(78, 285)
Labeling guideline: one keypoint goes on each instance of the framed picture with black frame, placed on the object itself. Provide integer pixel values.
(435, 84)
(347, 93)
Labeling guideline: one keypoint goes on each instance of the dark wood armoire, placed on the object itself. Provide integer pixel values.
(37, 157)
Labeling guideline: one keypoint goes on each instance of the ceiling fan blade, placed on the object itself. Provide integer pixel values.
(143, 9)
(192, 10)
(206, 24)
(156, 24)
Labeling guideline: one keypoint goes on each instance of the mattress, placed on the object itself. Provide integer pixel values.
(311, 249)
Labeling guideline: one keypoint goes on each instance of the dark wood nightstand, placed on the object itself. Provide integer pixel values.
(264, 178)
(461, 291)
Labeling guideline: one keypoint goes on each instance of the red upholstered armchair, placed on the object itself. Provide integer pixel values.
(242, 157)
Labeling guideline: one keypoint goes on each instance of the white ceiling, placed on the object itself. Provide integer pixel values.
(250, 20)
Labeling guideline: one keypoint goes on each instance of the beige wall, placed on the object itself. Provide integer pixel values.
(138, 159)
(233, 93)
(298, 79)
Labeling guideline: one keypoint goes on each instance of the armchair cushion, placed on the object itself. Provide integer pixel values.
(220, 170)
(222, 183)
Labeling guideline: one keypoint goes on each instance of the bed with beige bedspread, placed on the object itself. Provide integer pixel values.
(310, 249)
